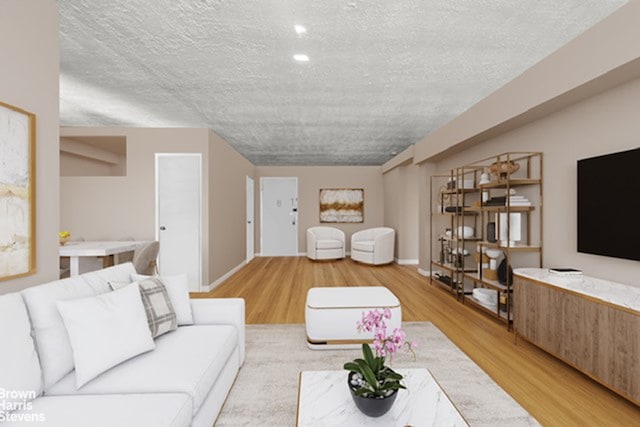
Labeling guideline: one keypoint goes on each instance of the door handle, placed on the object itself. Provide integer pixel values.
(162, 228)
(248, 222)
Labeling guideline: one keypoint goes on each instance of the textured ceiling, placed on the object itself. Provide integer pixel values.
(382, 74)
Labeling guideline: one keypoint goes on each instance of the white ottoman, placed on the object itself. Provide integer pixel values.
(331, 315)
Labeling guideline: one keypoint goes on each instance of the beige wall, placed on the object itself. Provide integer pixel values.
(425, 170)
(311, 179)
(603, 124)
(227, 207)
(72, 165)
(29, 76)
(401, 188)
(117, 207)
(581, 101)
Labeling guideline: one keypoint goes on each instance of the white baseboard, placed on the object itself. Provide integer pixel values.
(297, 254)
(226, 275)
(425, 273)
(406, 261)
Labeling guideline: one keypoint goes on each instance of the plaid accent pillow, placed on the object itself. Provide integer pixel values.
(160, 313)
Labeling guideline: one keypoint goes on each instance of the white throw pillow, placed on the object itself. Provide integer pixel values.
(19, 367)
(178, 290)
(105, 330)
(52, 340)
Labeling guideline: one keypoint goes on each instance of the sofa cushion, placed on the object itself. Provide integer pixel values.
(178, 290)
(106, 330)
(185, 361)
(160, 313)
(363, 245)
(140, 410)
(328, 244)
(19, 366)
(52, 340)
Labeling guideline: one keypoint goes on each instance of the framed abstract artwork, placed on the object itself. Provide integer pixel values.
(17, 192)
(342, 205)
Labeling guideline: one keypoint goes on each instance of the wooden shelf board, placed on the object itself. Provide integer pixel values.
(458, 191)
(502, 208)
(451, 267)
(467, 211)
(511, 182)
(475, 303)
(519, 248)
(455, 239)
(493, 284)
(442, 284)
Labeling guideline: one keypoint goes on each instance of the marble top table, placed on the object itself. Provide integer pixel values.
(80, 253)
(611, 292)
(325, 400)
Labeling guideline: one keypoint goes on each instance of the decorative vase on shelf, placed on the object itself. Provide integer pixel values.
(503, 169)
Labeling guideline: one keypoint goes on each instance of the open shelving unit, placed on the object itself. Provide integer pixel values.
(505, 190)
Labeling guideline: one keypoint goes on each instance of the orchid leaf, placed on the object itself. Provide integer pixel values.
(353, 367)
(388, 373)
(361, 391)
(392, 386)
(368, 356)
(368, 375)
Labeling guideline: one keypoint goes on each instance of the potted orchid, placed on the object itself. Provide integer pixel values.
(372, 383)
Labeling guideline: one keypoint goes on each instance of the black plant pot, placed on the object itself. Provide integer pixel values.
(372, 406)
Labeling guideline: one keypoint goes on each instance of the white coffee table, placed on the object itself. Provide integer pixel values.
(324, 400)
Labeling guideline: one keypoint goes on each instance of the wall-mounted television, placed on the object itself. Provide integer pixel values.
(609, 205)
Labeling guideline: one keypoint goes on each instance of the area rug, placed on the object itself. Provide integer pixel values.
(266, 389)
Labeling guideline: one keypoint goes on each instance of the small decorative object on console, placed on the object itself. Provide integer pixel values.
(565, 271)
(373, 385)
(64, 237)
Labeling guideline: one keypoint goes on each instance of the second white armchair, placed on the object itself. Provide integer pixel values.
(373, 246)
(325, 243)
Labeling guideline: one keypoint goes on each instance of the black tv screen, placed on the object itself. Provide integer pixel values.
(609, 205)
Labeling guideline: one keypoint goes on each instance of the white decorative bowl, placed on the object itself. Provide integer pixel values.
(464, 252)
(464, 232)
(493, 253)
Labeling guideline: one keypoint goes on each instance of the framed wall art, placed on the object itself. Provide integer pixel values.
(342, 205)
(17, 192)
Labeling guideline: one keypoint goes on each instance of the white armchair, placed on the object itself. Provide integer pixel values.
(374, 245)
(325, 243)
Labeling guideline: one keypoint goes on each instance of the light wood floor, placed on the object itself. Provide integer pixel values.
(554, 393)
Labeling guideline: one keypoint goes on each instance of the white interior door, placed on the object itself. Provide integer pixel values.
(250, 225)
(178, 215)
(279, 216)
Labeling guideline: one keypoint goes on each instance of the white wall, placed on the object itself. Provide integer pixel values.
(29, 76)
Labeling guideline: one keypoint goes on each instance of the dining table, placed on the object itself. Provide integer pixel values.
(85, 256)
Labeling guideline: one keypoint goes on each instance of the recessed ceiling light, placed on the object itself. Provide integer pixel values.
(301, 57)
(300, 29)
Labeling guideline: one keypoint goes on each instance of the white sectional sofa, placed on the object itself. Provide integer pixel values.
(182, 382)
